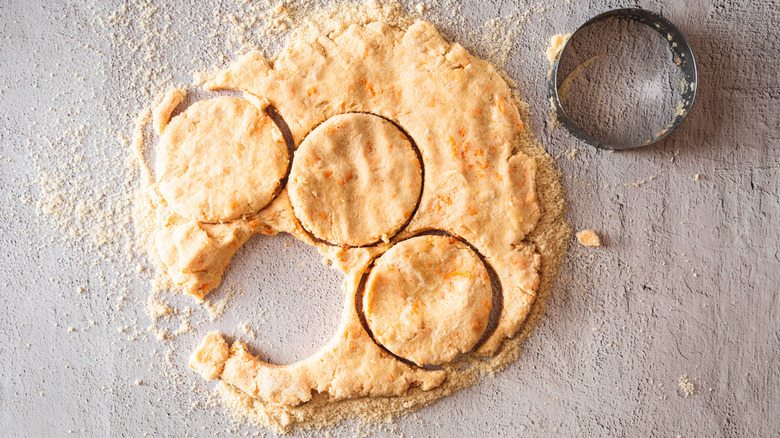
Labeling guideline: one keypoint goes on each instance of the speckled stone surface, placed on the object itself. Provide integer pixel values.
(685, 283)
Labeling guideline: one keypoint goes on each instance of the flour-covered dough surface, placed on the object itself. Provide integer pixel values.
(415, 231)
(220, 160)
(428, 299)
(355, 180)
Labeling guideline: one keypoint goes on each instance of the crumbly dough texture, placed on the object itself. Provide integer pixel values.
(355, 180)
(428, 299)
(209, 358)
(478, 184)
(220, 160)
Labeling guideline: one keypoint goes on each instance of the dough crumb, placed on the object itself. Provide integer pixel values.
(687, 386)
(556, 45)
(588, 238)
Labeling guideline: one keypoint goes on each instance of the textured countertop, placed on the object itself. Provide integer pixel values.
(685, 284)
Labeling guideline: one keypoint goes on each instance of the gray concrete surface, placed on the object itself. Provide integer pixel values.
(685, 284)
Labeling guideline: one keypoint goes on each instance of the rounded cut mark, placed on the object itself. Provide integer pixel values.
(356, 179)
(220, 160)
(428, 299)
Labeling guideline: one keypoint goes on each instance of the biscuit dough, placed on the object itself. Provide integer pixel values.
(220, 160)
(428, 299)
(355, 180)
(478, 185)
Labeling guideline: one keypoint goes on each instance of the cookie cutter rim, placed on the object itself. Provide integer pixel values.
(683, 58)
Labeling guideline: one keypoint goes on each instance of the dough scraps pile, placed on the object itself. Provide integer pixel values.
(409, 169)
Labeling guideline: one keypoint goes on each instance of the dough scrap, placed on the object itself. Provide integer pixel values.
(428, 299)
(588, 238)
(220, 160)
(355, 180)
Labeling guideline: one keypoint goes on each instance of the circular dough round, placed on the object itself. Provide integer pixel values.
(355, 180)
(221, 159)
(428, 299)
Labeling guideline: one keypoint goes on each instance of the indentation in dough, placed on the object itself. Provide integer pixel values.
(428, 299)
(355, 180)
(222, 159)
(478, 185)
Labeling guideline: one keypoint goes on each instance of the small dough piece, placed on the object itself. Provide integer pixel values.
(209, 358)
(220, 160)
(588, 238)
(428, 299)
(355, 180)
(557, 42)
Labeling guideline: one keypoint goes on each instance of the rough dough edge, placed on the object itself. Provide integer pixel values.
(162, 117)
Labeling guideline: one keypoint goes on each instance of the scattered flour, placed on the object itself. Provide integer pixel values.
(686, 385)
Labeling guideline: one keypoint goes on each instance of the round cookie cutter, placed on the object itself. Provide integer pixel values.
(683, 57)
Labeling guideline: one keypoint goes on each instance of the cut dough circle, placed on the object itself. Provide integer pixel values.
(220, 160)
(355, 180)
(428, 299)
